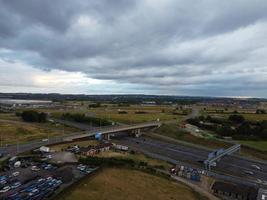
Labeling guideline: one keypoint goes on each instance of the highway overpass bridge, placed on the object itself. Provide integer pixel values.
(106, 131)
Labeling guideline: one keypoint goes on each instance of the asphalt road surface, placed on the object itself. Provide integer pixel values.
(231, 165)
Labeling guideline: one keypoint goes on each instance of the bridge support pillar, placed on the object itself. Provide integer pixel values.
(106, 137)
(137, 133)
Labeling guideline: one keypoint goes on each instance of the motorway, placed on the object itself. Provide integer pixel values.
(177, 153)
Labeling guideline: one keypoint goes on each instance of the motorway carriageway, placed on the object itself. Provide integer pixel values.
(231, 165)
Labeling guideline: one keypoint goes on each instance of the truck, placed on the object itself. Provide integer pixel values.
(121, 147)
(44, 149)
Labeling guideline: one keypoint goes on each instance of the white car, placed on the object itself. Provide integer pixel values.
(256, 167)
(49, 156)
(249, 172)
(5, 189)
(35, 168)
(259, 181)
(15, 174)
(45, 140)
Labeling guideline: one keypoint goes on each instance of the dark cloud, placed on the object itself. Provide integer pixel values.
(172, 46)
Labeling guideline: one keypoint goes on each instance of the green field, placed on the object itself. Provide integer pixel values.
(259, 145)
(131, 115)
(173, 131)
(121, 184)
(152, 113)
(13, 129)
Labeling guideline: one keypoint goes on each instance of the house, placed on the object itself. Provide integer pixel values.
(93, 150)
(231, 191)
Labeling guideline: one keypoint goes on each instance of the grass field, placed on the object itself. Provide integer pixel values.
(111, 112)
(152, 113)
(173, 131)
(121, 184)
(259, 145)
(13, 129)
(136, 157)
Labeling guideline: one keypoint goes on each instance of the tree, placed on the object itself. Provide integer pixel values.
(33, 116)
(260, 111)
(236, 118)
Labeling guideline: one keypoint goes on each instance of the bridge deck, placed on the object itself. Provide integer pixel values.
(114, 129)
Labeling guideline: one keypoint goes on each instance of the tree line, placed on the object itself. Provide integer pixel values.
(33, 116)
(235, 126)
(82, 118)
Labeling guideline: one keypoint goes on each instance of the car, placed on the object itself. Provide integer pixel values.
(15, 185)
(5, 189)
(256, 167)
(33, 192)
(15, 174)
(45, 140)
(47, 167)
(81, 167)
(35, 168)
(49, 178)
(40, 180)
(259, 181)
(13, 195)
(3, 178)
(249, 172)
(3, 182)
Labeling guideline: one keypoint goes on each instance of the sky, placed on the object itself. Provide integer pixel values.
(174, 47)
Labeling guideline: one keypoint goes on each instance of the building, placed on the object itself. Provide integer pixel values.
(93, 150)
(11, 104)
(262, 194)
(231, 191)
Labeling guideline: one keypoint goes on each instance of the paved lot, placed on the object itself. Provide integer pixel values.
(64, 157)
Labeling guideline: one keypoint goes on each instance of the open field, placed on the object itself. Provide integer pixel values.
(132, 113)
(136, 157)
(13, 130)
(259, 145)
(151, 113)
(120, 184)
(173, 131)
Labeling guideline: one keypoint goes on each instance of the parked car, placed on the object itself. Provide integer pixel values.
(5, 189)
(256, 167)
(15, 185)
(35, 168)
(15, 174)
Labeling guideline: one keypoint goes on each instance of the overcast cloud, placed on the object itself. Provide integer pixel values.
(179, 47)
